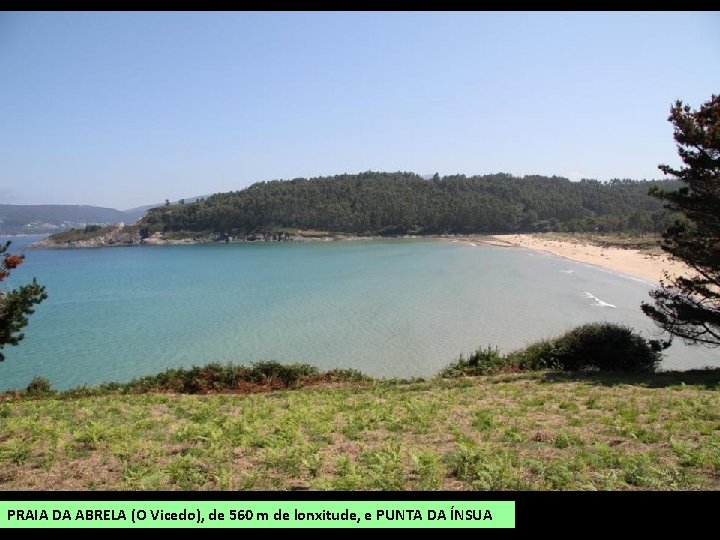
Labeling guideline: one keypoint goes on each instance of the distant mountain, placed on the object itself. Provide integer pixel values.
(50, 218)
(42, 218)
(133, 214)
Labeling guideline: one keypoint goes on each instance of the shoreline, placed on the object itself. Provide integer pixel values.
(628, 261)
(642, 264)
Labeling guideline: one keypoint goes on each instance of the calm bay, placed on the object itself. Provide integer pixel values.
(395, 308)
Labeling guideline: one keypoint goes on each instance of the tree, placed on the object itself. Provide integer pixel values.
(17, 304)
(689, 306)
(393, 203)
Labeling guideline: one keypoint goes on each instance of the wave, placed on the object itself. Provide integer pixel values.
(568, 271)
(598, 302)
(639, 280)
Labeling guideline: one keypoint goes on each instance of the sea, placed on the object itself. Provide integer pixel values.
(390, 308)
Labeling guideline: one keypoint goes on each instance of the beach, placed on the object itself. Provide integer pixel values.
(630, 261)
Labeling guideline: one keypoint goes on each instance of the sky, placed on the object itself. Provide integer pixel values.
(127, 109)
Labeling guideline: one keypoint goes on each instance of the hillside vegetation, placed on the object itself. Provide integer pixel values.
(405, 203)
(511, 431)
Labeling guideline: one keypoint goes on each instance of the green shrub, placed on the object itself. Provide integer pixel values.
(217, 377)
(483, 361)
(346, 375)
(288, 374)
(73, 235)
(39, 386)
(594, 347)
(194, 380)
(603, 347)
(538, 355)
(211, 378)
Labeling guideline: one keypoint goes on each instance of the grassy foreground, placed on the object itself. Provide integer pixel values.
(512, 431)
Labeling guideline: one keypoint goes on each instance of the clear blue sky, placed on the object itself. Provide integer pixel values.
(125, 109)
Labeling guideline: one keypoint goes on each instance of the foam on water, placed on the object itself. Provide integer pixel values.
(598, 302)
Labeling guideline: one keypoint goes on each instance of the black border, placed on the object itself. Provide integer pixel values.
(569, 512)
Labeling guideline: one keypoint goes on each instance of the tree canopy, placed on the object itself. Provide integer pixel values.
(689, 306)
(381, 203)
(16, 304)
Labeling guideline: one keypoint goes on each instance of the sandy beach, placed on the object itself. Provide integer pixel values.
(629, 261)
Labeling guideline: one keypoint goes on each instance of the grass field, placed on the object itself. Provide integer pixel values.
(525, 431)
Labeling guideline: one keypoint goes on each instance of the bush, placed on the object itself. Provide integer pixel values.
(483, 361)
(218, 378)
(39, 386)
(346, 375)
(538, 355)
(605, 347)
(211, 378)
(288, 374)
(595, 346)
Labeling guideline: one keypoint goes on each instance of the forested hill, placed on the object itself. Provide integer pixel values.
(405, 203)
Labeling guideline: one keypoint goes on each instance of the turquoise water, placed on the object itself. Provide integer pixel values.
(389, 308)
